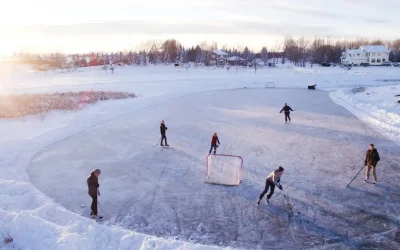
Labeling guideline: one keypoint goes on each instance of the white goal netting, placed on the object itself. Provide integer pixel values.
(224, 169)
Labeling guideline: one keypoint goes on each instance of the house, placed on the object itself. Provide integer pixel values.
(217, 58)
(236, 60)
(366, 55)
(259, 62)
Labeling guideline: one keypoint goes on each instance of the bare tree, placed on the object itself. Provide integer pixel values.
(170, 47)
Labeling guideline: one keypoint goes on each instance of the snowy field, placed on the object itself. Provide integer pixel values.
(155, 198)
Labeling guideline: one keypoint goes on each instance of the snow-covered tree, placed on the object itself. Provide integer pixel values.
(144, 59)
(264, 55)
(184, 55)
(246, 53)
(199, 55)
(137, 58)
(179, 55)
(167, 57)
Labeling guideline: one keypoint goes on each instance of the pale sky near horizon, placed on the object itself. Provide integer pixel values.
(77, 26)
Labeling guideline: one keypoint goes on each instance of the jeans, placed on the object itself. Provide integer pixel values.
(215, 148)
(267, 185)
(94, 205)
(163, 137)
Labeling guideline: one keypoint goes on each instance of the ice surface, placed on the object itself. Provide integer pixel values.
(160, 191)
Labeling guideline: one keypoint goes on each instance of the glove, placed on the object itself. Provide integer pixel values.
(280, 187)
(98, 192)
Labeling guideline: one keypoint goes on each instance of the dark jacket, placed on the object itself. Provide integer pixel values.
(372, 157)
(163, 128)
(214, 140)
(93, 184)
(287, 109)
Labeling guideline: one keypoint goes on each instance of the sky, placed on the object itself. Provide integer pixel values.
(77, 26)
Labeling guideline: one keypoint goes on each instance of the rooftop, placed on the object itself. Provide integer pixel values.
(220, 52)
(236, 58)
(375, 48)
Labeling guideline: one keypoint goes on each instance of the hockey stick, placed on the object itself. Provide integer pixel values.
(355, 176)
(287, 203)
(157, 143)
(98, 217)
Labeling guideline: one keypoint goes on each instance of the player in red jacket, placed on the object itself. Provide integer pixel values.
(214, 141)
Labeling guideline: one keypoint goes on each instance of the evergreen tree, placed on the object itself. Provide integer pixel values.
(264, 55)
(137, 60)
(246, 53)
(199, 56)
(144, 59)
(179, 55)
(191, 55)
(167, 57)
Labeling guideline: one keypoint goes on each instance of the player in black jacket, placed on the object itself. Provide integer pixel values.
(287, 110)
(371, 159)
(163, 128)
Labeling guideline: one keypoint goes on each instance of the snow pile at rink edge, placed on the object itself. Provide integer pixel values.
(35, 222)
(373, 109)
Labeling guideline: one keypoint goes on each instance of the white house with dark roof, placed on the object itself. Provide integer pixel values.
(217, 58)
(366, 55)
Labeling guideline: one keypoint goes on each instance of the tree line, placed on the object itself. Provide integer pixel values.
(325, 50)
(298, 51)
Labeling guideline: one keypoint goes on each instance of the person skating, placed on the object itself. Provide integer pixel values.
(93, 191)
(287, 110)
(163, 129)
(371, 159)
(214, 141)
(273, 179)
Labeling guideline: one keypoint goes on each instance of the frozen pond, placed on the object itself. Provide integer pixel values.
(161, 191)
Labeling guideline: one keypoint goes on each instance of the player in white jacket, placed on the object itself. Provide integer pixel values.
(273, 180)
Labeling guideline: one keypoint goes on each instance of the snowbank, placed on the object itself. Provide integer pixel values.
(377, 107)
(35, 222)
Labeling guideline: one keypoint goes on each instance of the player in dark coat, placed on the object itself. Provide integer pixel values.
(214, 141)
(371, 159)
(163, 129)
(287, 110)
(93, 190)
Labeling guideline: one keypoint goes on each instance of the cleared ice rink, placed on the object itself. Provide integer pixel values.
(160, 191)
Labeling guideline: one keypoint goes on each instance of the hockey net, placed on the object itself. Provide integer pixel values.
(224, 169)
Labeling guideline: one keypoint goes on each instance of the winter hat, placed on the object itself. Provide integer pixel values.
(280, 169)
(97, 171)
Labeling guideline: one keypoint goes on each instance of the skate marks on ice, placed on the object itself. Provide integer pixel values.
(160, 191)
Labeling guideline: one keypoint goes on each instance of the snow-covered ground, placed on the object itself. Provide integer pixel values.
(376, 106)
(161, 193)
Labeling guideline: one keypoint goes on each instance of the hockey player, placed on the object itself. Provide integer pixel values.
(214, 141)
(371, 159)
(163, 128)
(93, 190)
(273, 180)
(287, 110)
